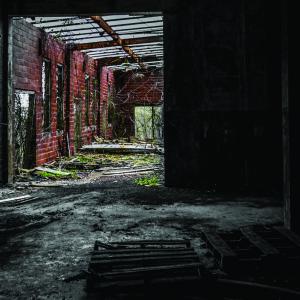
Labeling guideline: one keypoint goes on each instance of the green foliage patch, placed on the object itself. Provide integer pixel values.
(147, 181)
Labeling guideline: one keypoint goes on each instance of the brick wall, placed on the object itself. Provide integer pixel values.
(135, 89)
(107, 79)
(80, 67)
(31, 46)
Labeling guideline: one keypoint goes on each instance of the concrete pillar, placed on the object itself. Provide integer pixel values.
(1, 100)
(6, 101)
(291, 119)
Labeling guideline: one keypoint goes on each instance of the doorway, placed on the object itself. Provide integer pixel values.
(25, 133)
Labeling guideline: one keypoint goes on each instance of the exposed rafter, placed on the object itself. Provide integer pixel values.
(116, 40)
(133, 41)
(108, 29)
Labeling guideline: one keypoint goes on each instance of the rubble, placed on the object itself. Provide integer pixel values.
(65, 171)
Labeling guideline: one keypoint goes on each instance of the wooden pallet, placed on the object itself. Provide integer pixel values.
(256, 248)
(140, 263)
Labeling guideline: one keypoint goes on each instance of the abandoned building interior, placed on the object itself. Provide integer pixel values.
(148, 149)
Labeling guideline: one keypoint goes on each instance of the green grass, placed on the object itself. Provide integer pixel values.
(147, 181)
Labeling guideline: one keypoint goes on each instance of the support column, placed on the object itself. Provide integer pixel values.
(10, 105)
(68, 58)
(291, 119)
(6, 101)
(1, 102)
(285, 121)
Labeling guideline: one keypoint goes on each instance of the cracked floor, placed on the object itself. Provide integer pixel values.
(49, 240)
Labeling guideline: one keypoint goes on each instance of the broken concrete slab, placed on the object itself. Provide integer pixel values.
(52, 171)
(122, 148)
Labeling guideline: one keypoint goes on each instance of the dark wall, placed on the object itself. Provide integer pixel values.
(291, 111)
(222, 90)
(1, 104)
(3, 92)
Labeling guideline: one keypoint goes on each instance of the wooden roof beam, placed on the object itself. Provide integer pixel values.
(109, 30)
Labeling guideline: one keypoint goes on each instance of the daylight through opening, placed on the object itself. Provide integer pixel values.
(90, 100)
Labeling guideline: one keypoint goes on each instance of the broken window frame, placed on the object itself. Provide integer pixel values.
(87, 100)
(95, 101)
(110, 105)
(46, 94)
(60, 97)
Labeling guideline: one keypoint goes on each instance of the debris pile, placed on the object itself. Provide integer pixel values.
(101, 165)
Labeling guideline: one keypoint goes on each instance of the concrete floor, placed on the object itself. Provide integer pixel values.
(47, 241)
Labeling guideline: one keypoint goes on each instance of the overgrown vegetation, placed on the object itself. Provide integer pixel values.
(85, 158)
(138, 160)
(70, 174)
(147, 181)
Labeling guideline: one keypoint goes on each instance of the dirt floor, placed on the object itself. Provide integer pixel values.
(47, 241)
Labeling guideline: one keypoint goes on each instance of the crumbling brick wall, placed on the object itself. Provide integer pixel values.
(30, 46)
(135, 88)
(82, 66)
(107, 90)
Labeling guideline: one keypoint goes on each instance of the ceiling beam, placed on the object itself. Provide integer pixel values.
(114, 35)
(104, 44)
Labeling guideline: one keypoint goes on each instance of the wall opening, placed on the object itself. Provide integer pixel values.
(60, 97)
(148, 123)
(88, 88)
(46, 91)
(24, 129)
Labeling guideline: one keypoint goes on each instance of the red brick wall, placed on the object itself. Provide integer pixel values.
(30, 46)
(106, 78)
(81, 65)
(134, 89)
